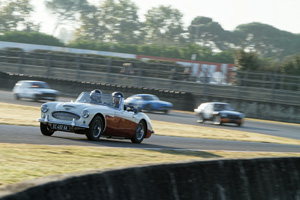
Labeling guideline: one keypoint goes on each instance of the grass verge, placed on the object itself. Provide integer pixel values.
(19, 162)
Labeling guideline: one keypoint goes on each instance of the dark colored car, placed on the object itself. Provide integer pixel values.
(219, 113)
(148, 102)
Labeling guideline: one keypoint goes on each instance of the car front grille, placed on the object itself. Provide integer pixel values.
(62, 115)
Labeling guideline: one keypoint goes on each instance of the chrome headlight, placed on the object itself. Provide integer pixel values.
(85, 114)
(44, 108)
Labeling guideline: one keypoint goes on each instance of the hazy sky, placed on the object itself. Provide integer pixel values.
(282, 14)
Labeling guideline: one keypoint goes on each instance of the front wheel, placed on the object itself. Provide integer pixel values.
(46, 130)
(17, 97)
(200, 118)
(36, 98)
(240, 123)
(217, 120)
(95, 130)
(140, 132)
(166, 111)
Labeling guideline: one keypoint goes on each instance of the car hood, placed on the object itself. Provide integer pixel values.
(75, 106)
(230, 112)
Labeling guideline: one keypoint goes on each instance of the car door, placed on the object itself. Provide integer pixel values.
(112, 122)
(127, 124)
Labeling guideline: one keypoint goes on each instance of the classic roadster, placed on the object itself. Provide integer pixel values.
(219, 113)
(95, 117)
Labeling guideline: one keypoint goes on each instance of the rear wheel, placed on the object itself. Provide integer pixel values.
(140, 132)
(95, 130)
(46, 130)
(217, 120)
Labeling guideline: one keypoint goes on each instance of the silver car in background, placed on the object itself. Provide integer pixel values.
(36, 90)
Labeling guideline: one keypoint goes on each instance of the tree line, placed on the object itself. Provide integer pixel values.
(114, 25)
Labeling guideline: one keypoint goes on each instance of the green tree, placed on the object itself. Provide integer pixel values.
(266, 40)
(246, 61)
(206, 32)
(15, 15)
(67, 10)
(164, 25)
(30, 38)
(291, 65)
(113, 21)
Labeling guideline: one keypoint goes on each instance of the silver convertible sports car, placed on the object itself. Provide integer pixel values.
(96, 115)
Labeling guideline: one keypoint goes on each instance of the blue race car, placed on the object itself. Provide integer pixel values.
(148, 102)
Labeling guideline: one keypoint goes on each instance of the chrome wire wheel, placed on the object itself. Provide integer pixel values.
(139, 133)
(97, 128)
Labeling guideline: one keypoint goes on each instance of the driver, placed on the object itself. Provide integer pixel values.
(95, 96)
(117, 98)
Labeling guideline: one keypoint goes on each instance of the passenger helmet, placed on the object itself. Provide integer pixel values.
(117, 94)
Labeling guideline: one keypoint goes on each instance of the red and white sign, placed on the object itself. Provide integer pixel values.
(220, 73)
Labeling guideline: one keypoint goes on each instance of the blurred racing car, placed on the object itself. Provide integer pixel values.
(148, 102)
(36, 90)
(96, 115)
(219, 113)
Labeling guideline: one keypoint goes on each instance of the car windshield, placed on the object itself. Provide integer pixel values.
(39, 85)
(222, 106)
(96, 98)
(150, 97)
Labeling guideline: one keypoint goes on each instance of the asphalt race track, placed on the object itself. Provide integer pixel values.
(32, 135)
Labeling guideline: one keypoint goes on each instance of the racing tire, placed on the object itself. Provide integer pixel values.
(200, 118)
(36, 98)
(239, 124)
(217, 120)
(17, 97)
(95, 130)
(140, 133)
(46, 130)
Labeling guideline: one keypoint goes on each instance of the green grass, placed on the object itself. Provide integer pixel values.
(20, 162)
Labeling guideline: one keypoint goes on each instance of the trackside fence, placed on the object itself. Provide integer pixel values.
(265, 87)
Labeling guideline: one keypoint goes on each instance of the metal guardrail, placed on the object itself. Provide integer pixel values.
(247, 87)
